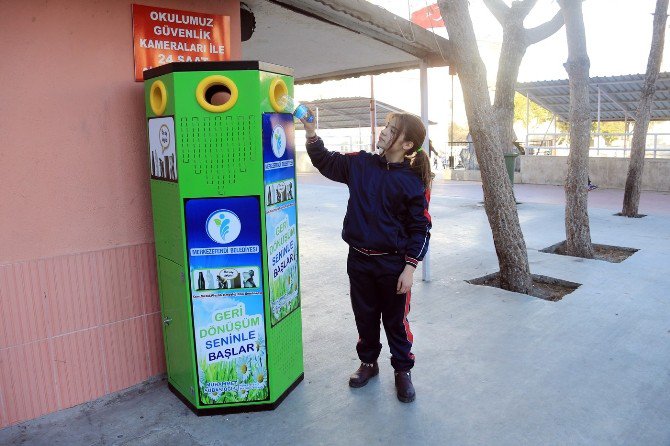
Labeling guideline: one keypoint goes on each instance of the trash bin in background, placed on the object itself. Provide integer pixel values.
(510, 159)
(222, 155)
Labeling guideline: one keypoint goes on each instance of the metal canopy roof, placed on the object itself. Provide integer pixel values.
(338, 39)
(345, 113)
(619, 96)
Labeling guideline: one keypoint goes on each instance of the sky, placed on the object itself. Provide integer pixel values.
(618, 34)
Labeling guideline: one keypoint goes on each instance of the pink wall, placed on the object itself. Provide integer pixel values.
(79, 312)
(73, 171)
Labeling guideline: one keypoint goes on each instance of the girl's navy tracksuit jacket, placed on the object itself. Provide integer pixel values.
(387, 226)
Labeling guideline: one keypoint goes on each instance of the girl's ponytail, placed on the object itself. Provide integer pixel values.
(420, 165)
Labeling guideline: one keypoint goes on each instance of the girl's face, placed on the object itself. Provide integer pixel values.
(391, 144)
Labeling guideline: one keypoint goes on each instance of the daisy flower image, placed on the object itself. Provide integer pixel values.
(243, 370)
(260, 347)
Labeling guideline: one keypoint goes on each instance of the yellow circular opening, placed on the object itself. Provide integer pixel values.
(216, 93)
(158, 97)
(278, 94)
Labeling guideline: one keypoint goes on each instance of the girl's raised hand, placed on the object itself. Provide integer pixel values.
(310, 127)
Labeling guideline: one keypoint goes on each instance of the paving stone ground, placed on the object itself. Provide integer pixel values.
(493, 367)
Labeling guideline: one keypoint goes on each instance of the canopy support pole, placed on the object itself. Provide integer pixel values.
(373, 114)
(527, 119)
(423, 83)
(598, 146)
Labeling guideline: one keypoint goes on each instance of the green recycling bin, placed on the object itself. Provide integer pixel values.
(223, 190)
(510, 160)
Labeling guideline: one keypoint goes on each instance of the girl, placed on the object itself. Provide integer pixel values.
(387, 229)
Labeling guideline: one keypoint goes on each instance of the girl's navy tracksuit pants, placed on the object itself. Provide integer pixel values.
(373, 279)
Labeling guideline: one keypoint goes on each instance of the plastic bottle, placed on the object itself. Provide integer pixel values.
(299, 110)
(201, 281)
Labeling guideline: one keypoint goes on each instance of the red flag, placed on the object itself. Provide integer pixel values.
(428, 17)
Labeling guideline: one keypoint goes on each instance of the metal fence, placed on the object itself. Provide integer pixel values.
(615, 145)
(602, 144)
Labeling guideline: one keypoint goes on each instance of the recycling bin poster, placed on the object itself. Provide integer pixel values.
(280, 214)
(162, 149)
(225, 269)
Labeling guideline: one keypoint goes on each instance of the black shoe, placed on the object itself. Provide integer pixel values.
(404, 387)
(363, 374)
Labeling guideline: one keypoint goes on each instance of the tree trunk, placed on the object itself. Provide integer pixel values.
(487, 134)
(577, 232)
(631, 197)
(511, 53)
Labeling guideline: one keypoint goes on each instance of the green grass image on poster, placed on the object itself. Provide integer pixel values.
(233, 381)
(284, 296)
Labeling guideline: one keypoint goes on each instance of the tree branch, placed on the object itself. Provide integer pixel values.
(545, 30)
(525, 6)
(499, 9)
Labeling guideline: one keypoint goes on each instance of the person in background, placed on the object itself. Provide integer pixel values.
(433, 153)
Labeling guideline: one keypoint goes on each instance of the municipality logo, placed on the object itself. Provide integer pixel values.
(278, 141)
(223, 226)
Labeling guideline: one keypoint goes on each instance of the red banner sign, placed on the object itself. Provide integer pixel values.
(428, 17)
(163, 35)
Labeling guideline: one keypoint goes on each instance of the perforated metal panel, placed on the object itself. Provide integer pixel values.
(216, 150)
(167, 211)
(285, 353)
